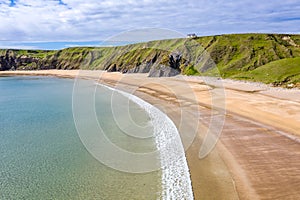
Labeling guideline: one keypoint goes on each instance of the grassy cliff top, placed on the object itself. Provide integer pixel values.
(268, 58)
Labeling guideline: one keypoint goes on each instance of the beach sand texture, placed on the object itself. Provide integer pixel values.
(258, 153)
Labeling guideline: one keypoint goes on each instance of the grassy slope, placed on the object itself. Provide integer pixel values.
(241, 56)
(265, 58)
(234, 54)
(29, 53)
(278, 72)
(129, 56)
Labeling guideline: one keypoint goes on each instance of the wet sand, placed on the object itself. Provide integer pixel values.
(258, 152)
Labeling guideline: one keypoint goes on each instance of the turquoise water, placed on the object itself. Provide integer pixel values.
(42, 156)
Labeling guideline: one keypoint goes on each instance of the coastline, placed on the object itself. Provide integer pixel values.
(235, 169)
(175, 172)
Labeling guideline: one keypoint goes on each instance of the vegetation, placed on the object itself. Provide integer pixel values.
(234, 54)
(190, 71)
(268, 58)
(280, 72)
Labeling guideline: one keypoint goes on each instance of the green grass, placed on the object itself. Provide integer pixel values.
(283, 71)
(191, 71)
(236, 53)
(241, 56)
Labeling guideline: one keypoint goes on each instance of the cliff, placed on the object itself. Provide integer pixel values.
(39, 59)
(238, 56)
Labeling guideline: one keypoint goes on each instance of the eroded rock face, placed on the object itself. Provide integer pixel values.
(10, 61)
(163, 71)
(155, 69)
(7, 61)
(113, 68)
(174, 60)
(167, 71)
(143, 68)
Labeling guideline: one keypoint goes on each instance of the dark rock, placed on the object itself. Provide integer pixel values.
(124, 70)
(113, 68)
(172, 70)
(163, 71)
(7, 61)
(143, 68)
(10, 61)
(174, 60)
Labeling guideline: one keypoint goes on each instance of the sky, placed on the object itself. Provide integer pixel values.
(55, 24)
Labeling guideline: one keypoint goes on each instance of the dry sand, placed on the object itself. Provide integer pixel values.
(258, 153)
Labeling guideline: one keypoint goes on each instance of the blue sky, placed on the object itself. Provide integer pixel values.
(56, 24)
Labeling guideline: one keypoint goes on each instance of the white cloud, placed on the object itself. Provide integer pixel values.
(12, 46)
(49, 20)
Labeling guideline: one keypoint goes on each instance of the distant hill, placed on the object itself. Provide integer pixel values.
(268, 58)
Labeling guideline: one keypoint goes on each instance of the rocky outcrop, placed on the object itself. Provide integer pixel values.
(172, 69)
(142, 68)
(174, 60)
(11, 61)
(6, 63)
(40, 60)
(228, 56)
(113, 68)
(163, 71)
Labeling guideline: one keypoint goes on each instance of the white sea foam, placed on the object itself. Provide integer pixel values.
(176, 180)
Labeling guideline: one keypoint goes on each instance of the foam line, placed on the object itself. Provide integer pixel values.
(176, 180)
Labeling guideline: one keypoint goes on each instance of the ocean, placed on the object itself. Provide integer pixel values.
(51, 146)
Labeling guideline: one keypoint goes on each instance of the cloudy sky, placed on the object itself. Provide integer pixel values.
(63, 23)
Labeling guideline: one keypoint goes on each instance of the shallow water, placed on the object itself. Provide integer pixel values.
(42, 157)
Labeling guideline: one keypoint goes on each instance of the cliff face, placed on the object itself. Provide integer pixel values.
(233, 56)
(38, 59)
(9, 61)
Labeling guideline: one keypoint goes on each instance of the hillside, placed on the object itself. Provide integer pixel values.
(269, 58)
(277, 72)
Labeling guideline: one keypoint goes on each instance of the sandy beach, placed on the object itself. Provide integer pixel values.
(257, 155)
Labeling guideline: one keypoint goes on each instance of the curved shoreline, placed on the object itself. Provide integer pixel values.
(176, 181)
(204, 182)
(241, 166)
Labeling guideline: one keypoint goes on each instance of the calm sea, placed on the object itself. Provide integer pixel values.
(42, 156)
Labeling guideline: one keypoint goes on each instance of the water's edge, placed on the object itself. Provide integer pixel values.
(176, 180)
